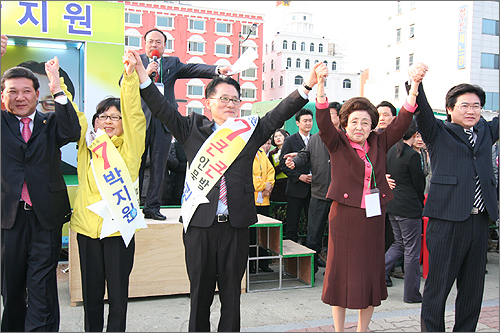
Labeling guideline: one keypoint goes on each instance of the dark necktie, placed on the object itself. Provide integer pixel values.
(26, 133)
(478, 195)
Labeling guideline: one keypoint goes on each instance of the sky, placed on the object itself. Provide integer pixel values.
(349, 24)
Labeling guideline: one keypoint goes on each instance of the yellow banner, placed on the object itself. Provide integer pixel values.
(117, 190)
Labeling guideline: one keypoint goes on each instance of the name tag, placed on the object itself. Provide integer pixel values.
(372, 203)
(160, 87)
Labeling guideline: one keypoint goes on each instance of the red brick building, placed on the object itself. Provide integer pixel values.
(200, 35)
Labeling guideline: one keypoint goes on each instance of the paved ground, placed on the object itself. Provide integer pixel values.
(292, 310)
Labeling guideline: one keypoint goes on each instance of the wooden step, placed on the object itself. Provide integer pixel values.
(292, 249)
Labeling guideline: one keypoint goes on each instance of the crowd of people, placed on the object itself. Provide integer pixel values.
(366, 169)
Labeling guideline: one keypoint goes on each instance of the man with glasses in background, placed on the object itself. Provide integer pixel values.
(164, 72)
(461, 197)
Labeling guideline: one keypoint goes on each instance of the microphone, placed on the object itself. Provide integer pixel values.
(156, 54)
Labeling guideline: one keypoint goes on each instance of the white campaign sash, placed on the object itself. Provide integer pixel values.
(211, 161)
(119, 206)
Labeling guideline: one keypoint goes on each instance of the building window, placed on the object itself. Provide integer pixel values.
(248, 93)
(311, 47)
(346, 84)
(133, 41)
(491, 101)
(195, 110)
(412, 30)
(272, 64)
(132, 18)
(224, 28)
(266, 48)
(164, 22)
(195, 91)
(489, 60)
(263, 67)
(272, 83)
(289, 62)
(320, 48)
(250, 73)
(398, 35)
(222, 49)
(334, 66)
(196, 47)
(294, 45)
(263, 85)
(400, 7)
(396, 92)
(281, 81)
(285, 45)
(307, 64)
(326, 63)
(272, 46)
(245, 29)
(297, 63)
(490, 27)
(197, 25)
(316, 61)
(398, 61)
(411, 60)
(299, 80)
(303, 46)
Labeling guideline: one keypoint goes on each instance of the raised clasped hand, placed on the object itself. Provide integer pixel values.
(129, 62)
(321, 73)
(52, 70)
(418, 71)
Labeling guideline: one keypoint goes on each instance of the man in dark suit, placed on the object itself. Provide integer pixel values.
(298, 188)
(165, 71)
(461, 197)
(217, 238)
(177, 172)
(35, 201)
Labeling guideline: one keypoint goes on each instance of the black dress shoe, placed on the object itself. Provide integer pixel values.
(320, 262)
(155, 216)
(388, 281)
(266, 269)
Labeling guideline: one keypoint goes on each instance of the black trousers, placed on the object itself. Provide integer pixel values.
(217, 254)
(105, 261)
(293, 211)
(158, 142)
(457, 251)
(316, 223)
(29, 270)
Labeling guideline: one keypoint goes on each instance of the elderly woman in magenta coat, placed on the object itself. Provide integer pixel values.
(355, 268)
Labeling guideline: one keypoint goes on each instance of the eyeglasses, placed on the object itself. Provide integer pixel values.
(226, 100)
(154, 41)
(48, 104)
(467, 107)
(104, 117)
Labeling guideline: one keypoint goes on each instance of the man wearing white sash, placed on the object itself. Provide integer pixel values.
(106, 212)
(216, 235)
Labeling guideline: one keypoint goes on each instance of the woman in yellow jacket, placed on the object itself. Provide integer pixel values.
(108, 259)
(263, 182)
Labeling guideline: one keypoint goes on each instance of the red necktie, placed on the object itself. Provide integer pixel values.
(223, 191)
(26, 133)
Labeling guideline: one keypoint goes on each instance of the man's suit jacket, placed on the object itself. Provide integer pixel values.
(295, 187)
(171, 70)
(407, 171)
(193, 130)
(39, 163)
(455, 164)
(348, 169)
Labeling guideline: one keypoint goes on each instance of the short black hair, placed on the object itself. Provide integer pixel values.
(301, 113)
(335, 105)
(394, 111)
(459, 90)
(104, 105)
(154, 29)
(39, 68)
(20, 72)
(210, 89)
